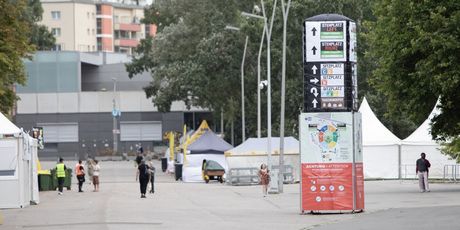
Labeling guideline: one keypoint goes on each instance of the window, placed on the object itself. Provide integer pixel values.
(56, 15)
(60, 132)
(87, 30)
(56, 32)
(94, 32)
(140, 131)
(57, 47)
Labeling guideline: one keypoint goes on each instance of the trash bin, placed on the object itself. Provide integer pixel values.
(178, 171)
(67, 179)
(44, 182)
(164, 164)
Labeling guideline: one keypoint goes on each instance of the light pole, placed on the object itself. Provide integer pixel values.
(268, 31)
(285, 10)
(258, 70)
(243, 128)
(114, 118)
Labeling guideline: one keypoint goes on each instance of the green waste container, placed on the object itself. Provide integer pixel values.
(45, 182)
(67, 180)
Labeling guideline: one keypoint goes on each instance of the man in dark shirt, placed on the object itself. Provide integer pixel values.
(143, 175)
(421, 169)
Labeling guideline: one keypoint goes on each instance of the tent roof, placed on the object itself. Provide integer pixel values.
(209, 142)
(374, 132)
(7, 127)
(258, 146)
(422, 135)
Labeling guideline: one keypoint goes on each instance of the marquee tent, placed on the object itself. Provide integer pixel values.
(18, 178)
(380, 146)
(421, 141)
(253, 152)
(207, 146)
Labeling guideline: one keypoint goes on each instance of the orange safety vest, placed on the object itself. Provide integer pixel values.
(78, 171)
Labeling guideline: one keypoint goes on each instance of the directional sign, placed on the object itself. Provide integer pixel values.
(325, 41)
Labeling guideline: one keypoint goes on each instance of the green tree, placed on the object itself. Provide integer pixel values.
(39, 36)
(14, 45)
(193, 59)
(416, 47)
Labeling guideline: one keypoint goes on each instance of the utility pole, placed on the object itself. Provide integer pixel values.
(114, 118)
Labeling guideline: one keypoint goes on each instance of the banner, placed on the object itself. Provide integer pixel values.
(330, 143)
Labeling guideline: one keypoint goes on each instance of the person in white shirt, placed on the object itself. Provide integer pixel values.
(96, 170)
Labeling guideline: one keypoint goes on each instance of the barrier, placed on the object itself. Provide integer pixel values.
(451, 172)
(249, 175)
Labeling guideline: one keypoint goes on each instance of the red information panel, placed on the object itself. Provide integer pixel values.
(327, 186)
(359, 186)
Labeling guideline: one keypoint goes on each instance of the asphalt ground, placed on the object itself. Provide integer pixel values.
(390, 204)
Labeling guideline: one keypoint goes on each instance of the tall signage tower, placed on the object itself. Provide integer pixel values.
(330, 127)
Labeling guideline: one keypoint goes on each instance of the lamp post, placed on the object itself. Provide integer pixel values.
(285, 10)
(114, 118)
(258, 70)
(243, 126)
(268, 31)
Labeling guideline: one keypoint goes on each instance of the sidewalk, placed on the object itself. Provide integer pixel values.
(177, 205)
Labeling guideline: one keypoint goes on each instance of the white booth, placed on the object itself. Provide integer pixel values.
(18, 172)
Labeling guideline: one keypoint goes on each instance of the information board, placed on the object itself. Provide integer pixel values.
(331, 167)
(325, 41)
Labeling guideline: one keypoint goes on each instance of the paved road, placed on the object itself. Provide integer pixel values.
(177, 205)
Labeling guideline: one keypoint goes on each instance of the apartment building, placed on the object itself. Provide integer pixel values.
(96, 25)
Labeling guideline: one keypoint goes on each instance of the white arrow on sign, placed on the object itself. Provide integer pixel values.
(314, 91)
(314, 68)
(314, 103)
(314, 80)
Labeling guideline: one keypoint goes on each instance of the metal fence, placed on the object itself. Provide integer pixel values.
(249, 175)
(451, 173)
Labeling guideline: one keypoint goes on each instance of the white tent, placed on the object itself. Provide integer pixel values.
(253, 152)
(208, 146)
(421, 141)
(380, 146)
(18, 180)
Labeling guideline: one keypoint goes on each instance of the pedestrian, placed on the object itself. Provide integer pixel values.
(90, 166)
(143, 176)
(264, 176)
(80, 173)
(422, 166)
(152, 176)
(139, 158)
(60, 174)
(96, 172)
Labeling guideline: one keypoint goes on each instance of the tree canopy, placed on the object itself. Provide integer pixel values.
(195, 60)
(20, 35)
(416, 48)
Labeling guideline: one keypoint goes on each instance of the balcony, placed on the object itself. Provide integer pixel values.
(127, 27)
(126, 42)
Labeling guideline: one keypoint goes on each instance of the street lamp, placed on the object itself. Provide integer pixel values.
(258, 67)
(269, 100)
(283, 90)
(114, 117)
(243, 128)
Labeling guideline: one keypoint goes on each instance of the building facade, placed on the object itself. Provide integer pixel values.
(96, 25)
(73, 95)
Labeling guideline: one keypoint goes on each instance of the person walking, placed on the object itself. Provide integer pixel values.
(60, 174)
(264, 176)
(90, 166)
(143, 176)
(422, 166)
(96, 172)
(152, 176)
(80, 173)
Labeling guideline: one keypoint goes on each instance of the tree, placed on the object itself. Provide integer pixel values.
(14, 45)
(193, 59)
(416, 47)
(40, 36)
